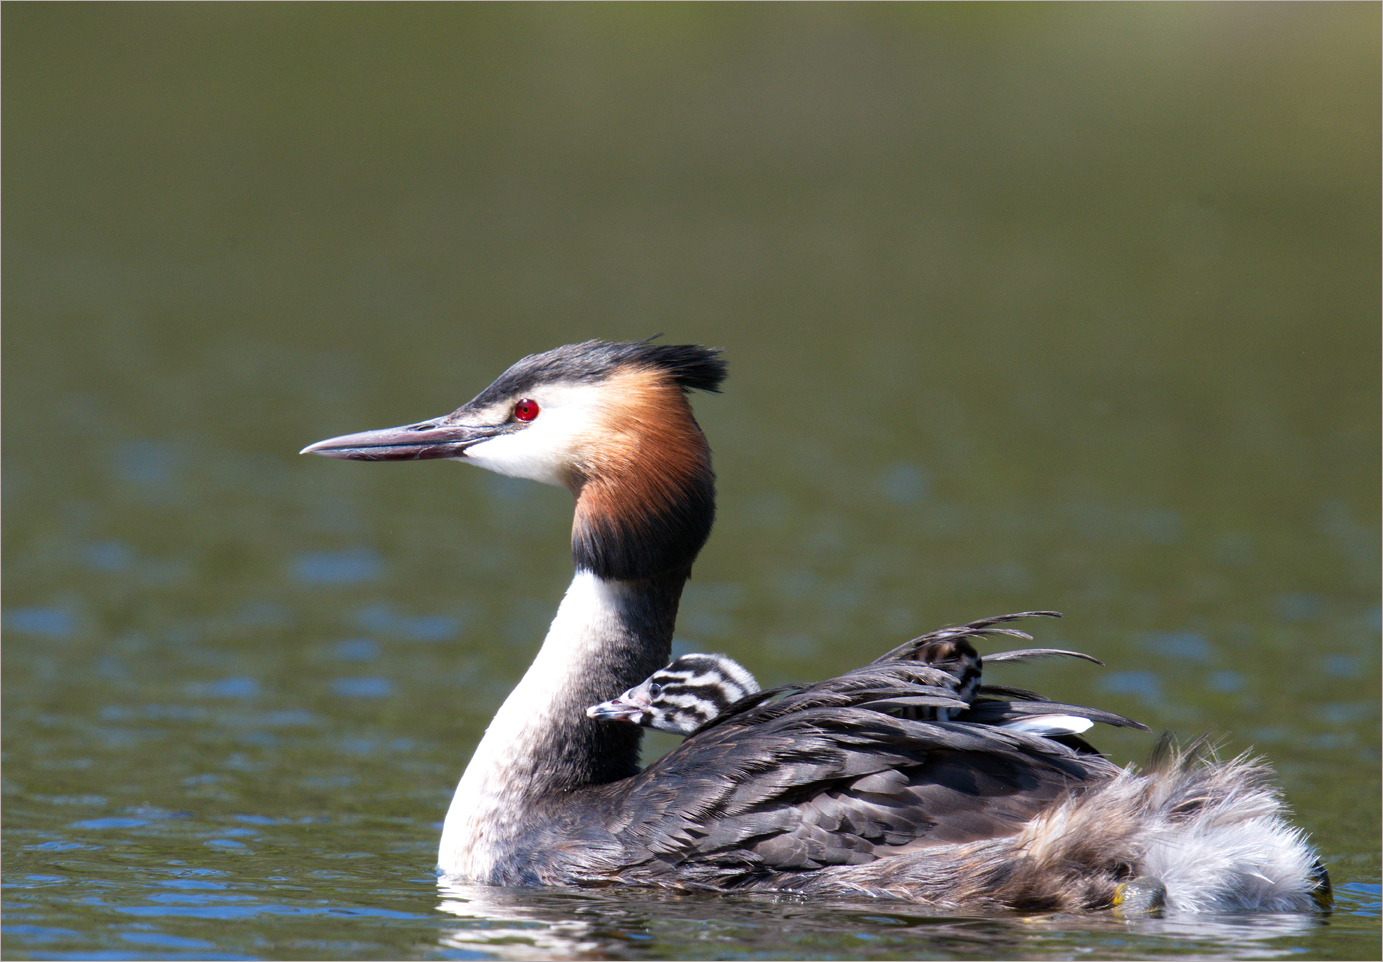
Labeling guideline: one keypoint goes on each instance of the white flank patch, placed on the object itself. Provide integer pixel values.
(1048, 725)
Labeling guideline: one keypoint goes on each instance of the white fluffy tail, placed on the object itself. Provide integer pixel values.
(1223, 842)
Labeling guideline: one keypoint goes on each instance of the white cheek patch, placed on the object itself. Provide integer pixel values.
(513, 455)
(549, 446)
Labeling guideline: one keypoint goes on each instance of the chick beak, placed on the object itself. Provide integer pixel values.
(623, 708)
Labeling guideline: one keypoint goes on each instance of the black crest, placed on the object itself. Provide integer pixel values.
(691, 366)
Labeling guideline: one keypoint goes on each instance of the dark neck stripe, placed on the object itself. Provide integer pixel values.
(647, 540)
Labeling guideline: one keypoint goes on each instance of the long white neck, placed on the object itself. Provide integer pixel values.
(606, 637)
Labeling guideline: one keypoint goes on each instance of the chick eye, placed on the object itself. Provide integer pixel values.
(654, 690)
(526, 410)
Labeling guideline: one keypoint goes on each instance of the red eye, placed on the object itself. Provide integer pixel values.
(526, 410)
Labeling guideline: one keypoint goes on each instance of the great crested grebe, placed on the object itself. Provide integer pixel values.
(827, 791)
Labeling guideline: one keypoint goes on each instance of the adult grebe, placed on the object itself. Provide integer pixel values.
(823, 792)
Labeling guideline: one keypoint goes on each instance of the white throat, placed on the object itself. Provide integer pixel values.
(508, 764)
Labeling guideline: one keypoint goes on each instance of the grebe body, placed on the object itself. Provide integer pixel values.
(903, 779)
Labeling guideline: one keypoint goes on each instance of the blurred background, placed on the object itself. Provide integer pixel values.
(1036, 306)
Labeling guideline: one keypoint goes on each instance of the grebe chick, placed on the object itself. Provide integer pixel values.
(681, 697)
(697, 689)
(824, 792)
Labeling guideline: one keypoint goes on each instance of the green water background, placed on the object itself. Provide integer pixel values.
(1069, 307)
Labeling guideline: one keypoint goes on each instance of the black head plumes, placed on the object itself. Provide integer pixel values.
(690, 366)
